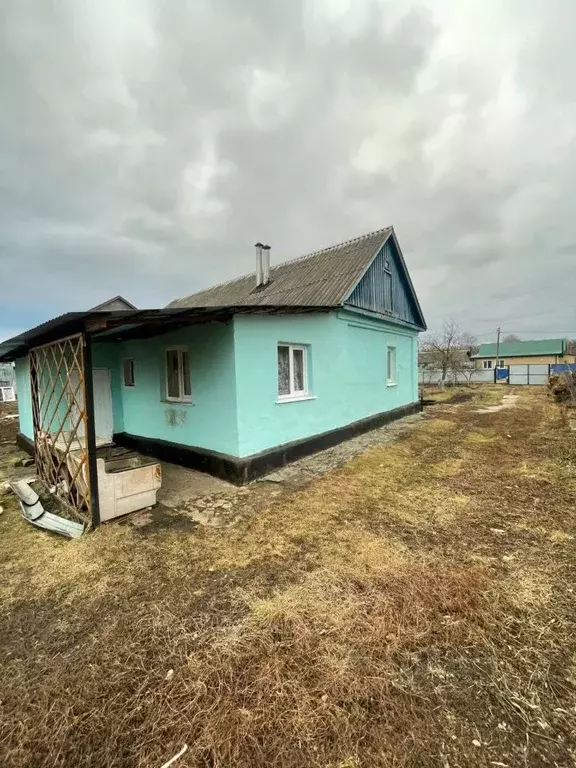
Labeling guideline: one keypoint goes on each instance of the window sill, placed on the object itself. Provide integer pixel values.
(391, 383)
(176, 402)
(294, 399)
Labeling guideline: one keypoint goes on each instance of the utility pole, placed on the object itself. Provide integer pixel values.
(497, 354)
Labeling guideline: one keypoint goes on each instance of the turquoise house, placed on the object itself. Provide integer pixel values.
(247, 375)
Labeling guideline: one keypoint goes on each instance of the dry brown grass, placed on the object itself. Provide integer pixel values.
(433, 392)
(413, 608)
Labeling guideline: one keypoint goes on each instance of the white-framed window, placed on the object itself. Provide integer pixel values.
(501, 364)
(391, 366)
(292, 371)
(128, 372)
(487, 364)
(178, 387)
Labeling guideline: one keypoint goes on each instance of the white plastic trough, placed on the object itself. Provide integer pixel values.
(126, 483)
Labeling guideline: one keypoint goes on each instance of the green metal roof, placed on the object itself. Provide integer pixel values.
(523, 348)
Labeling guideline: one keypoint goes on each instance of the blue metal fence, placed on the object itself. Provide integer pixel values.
(562, 367)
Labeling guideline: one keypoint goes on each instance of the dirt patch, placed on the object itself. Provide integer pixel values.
(508, 401)
(459, 397)
(181, 485)
(8, 423)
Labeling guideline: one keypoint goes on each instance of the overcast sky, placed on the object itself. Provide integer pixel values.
(145, 145)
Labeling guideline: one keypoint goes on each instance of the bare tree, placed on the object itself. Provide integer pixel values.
(462, 366)
(450, 350)
(511, 337)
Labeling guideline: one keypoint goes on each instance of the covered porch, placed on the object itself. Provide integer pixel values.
(78, 393)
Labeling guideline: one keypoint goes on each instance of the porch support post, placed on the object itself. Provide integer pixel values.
(91, 430)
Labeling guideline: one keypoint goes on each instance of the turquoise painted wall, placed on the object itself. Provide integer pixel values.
(347, 355)
(233, 369)
(209, 421)
(24, 394)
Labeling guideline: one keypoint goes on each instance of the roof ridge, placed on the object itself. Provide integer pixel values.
(356, 239)
(335, 245)
(526, 341)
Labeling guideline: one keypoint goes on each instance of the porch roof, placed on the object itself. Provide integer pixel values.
(120, 325)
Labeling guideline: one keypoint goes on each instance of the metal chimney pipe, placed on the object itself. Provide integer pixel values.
(259, 275)
(266, 265)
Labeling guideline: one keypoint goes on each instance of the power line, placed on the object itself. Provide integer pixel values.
(524, 333)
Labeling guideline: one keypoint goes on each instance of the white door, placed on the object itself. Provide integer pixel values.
(103, 419)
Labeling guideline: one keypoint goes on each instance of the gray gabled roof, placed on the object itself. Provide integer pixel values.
(321, 279)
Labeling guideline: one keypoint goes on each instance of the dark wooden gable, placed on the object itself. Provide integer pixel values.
(386, 289)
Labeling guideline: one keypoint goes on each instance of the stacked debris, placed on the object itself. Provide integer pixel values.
(34, 512)
(563, 387)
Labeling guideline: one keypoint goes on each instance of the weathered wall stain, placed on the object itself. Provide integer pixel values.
(175, 417)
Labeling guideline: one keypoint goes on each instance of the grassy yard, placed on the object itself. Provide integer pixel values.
(413, 608)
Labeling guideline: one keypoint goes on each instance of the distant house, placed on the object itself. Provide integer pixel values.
(7, 376)
(7, 383)
(546, 351)
(246, 375)
(426, 359)
(113, 304)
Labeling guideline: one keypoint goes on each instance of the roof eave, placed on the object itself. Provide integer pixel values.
(392, 319)
(95, 322)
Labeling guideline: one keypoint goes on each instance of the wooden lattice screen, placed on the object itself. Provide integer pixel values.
(60, 423)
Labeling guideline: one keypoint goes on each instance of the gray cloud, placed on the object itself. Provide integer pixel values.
(145, 146)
